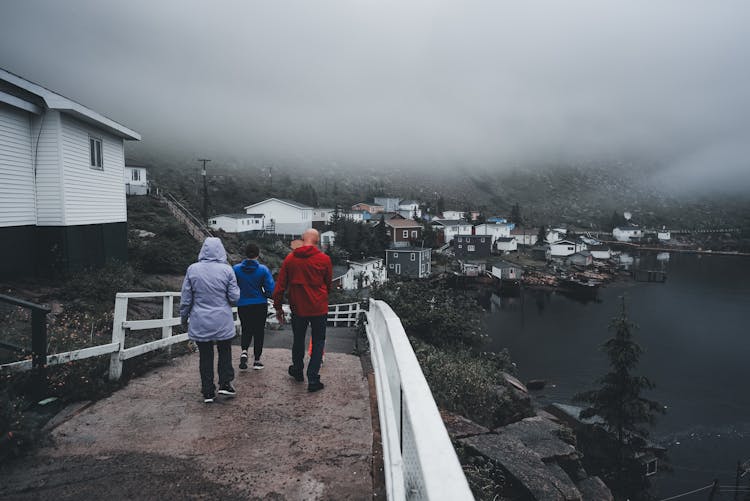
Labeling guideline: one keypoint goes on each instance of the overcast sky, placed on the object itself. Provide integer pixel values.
(405, 82)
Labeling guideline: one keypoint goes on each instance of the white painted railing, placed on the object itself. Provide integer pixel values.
(419, 459)
(339, 315)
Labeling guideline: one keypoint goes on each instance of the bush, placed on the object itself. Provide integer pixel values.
(434, 314)
(471, 384)
(95, 289)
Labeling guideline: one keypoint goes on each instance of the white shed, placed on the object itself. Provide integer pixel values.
(506, 244)
(283, 217)
(563, 248)
(62, 197)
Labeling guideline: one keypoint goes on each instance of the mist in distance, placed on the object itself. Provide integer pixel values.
(458, 85)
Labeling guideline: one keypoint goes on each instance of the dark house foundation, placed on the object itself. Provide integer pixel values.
(54, 250)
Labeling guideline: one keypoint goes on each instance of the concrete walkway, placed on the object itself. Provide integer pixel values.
(156, 439)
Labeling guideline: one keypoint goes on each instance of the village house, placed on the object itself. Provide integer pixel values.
(453, 214)
(472, 268)
(564, 248)
(408, 262)
(327, 239)
(525, 236)
(410, 209)
(364, 273)
(627, 233)
(582, 258)
(371, 208)
(506, 244)
(447, 230)
(403, 232)
(136, 179)
(237, 223)
(283, 217)
(496, 230)
(472, 246)
(507, 271)
(601, 251)
(62, 196)
(321, 217)
(555, 234)
(358, 216)
(664, 235)
(388, 204)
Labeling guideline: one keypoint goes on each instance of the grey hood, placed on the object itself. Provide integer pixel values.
(213, 250)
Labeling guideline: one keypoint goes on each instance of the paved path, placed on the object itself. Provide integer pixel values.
(155, 439)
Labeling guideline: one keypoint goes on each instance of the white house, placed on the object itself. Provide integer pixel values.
(451, 229)
(327, 239)
(237, 223)
(506, 244)
(364, 273)
(388, 204)
(496, 230)
(563, 248)
(322, 216)
(283, 217)
(525, 236)
(358, 216)
(136, 179)
(453, 214)
(555, 234)
(600, 251)
(410, 209)
(62, 198)
(627, 233)
(663, 235)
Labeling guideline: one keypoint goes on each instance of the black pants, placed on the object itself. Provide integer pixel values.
(224, 366)
(253, 320)
(318, 334)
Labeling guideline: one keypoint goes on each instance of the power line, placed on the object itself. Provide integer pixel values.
(688, 493)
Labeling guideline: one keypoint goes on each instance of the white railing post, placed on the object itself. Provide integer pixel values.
(118, 336)
(167, 314)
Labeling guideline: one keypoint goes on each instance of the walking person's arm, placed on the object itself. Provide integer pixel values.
(186, 300)
(278, 293)
(233, 290)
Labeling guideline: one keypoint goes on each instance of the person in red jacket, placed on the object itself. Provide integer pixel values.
(305, 276)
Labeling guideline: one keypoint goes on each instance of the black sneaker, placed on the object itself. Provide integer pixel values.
(315, 386)
(209, 399)
(297, 375)
(257, 365)
(243, 362)
(227, 389)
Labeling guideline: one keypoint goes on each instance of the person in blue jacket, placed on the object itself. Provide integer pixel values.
(256, 286)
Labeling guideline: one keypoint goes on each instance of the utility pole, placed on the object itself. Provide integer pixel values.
(205, 188)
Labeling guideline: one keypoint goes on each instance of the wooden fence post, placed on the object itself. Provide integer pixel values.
(118, 336)
(167, 313)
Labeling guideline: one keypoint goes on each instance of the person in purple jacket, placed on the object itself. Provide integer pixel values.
(208, 293)
(256, 286)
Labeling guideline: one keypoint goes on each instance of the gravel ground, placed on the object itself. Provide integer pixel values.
(156, 439)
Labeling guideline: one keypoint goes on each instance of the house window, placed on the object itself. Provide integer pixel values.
(413, 256)
(482, 240)
(471, 248)
(460, 246)
(390, 266)
(414, 234)
(459, 239)
(136, 175)
(95, 153)
(406, 233)
(395, 255)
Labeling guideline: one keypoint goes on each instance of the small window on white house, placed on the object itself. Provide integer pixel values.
(95, 153)
(136, 175)
(413, 256)
(406, 233)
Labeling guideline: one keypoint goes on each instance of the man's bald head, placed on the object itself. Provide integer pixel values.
(311, 237)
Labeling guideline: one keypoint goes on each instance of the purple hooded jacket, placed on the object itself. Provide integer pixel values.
(208, 293)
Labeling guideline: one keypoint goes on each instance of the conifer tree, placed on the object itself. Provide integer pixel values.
(620, 403)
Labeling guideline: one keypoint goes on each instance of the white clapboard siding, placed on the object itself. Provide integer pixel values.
(92, 196)
(49, 196)
(17, 207)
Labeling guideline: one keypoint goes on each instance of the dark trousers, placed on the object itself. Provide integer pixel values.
(253, 320)
(224, 366)
(299, 328)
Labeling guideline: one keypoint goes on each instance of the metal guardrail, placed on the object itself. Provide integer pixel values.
(419, 459)
(38, 335)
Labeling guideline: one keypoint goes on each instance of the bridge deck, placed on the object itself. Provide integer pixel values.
(155, 439)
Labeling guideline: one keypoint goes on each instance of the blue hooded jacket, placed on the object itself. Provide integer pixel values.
(255, 281)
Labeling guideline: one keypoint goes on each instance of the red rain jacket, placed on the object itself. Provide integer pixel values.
(305, 276)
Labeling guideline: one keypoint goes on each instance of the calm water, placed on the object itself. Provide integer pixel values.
(694, 329)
